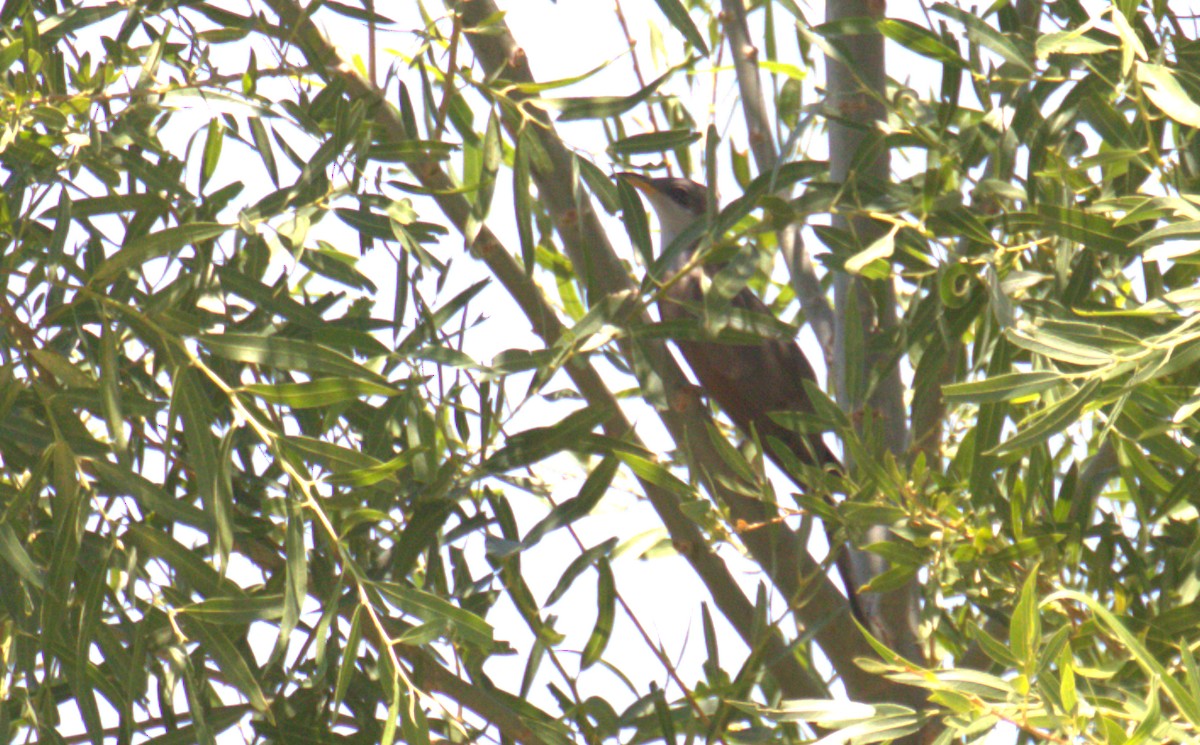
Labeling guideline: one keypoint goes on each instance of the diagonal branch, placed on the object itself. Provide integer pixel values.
(793, 679)
(758, 126)
(777, 549)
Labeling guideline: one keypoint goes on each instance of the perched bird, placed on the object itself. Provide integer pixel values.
(748, 381)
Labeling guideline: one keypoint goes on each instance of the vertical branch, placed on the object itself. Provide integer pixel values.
(867, 311)
(767, 157)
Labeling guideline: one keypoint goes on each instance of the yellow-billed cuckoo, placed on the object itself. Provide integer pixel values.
(748, 381)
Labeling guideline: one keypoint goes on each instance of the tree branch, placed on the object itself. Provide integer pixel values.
(775, 547)
(867, 311)
(754, 107)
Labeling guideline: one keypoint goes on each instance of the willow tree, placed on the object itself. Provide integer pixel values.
(260, 482)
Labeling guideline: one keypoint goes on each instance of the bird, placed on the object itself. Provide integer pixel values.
(748, 381)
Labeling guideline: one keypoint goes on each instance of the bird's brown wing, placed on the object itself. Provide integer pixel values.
(749, 381)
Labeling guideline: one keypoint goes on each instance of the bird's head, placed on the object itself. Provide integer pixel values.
(678, 202)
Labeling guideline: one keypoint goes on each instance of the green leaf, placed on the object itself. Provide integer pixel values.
(468, 627)
(1178, 694)
(287, 354)
(679, 18)
(637, 224)
(652, 142)
(1165, 92)
(335, 458)
(17, 558)
(1050, 421)
(237, 610)
(602, 107)
(412, 151)
(606, 603)
(1025, 632)
(492, 155)
(593, 490)
(577, 567)
(1056, 347)
(1004, 387)
(137, 251)
(213, 140)
(871, 262)
(264, 148)
(523, 199)
(235, 668)
(1070, 42)
(319, 393)
(978, 31)
(538, 443)
(347, 667)
(920, 40)
(655, 473)
(191, 406)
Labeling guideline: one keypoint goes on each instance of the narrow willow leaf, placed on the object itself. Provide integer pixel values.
(602, 107)
(920, 40)
(1056, 347)
(18, 559)
(62, 223)
(262, 143)
(657, 474)
(296, 579)
(213, 140)
(1176, 231)
(1176, 691)
(968, 682)
(492, 155)
(538, 443)
(468, 627)
(652, 142)
(996, 649)
(235, 669)
(1025, 632)
(872, 262)
(191, 407)
(1004, 387)
(606, 609)
(412, 151)
(347, 667)
(523, 199)
(137, 251)
(593, 490)
(577, 566)
(329, 455)
(318, 393)
(1050, 421)
(679, 18)
(1092, 230)
(978, 31)
(118, 203)
(151, 498)
(1070, 42)
(286, 354)
(237, 610)
(1165, 92)
(637, 224)
(662, 712)
(187, 564)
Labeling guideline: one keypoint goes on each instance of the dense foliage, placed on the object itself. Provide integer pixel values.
(280, 463)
